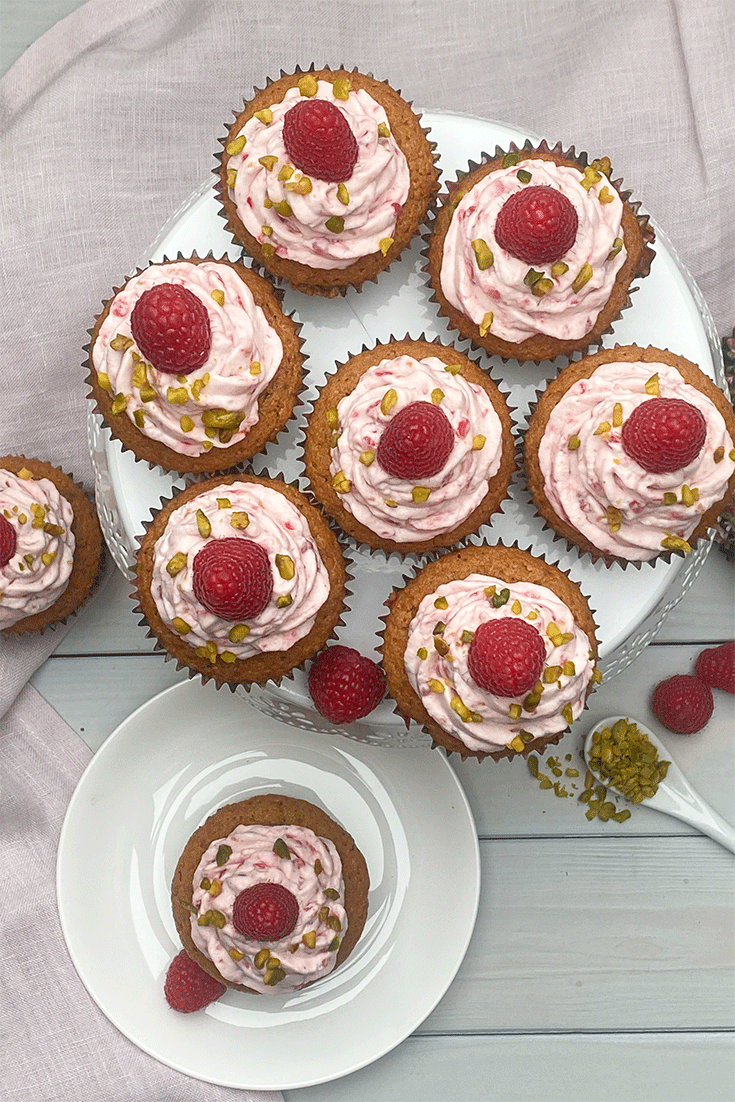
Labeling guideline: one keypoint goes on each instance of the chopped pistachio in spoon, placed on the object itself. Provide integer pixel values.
(624, 757)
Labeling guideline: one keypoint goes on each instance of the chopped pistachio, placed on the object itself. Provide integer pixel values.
(420, 494)
(559, 268)
(384, 245)
(231, 177)
(285, 566)
(422, 653)
(341, 483)
(268, 161)
(308, 85)
(176, 563)
(616, 247)
(602, 428)
(383, 130)
(483, 254)
(652, 385)
(590, 177)
(236, 145)
(281, 849)
(486, 323)
(237, 633)
(309, 939)
(104, 381)
(523, 175)
(584, 275)
(542, 287)
(510, 159)
(501, 598)
(573, 443)
(284, 600)
(239, 519)
(515, 711)
(719, 454)
(268, 250)
(614, 518)
(187, 424)
(341, 87)
(617, 418)
(389, 399)
(343, 195)
(478, 442)
(180, 625)
(265, 116)
(203, 524)
(119, 403)
(335, 224)
(366, 458)
(670, 498)
(453, 369)
(441, 602)
(675, 543)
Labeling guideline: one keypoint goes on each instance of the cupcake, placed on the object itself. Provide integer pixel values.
(409, 446)
(491, 649)
(325, 177)
(533, 252)
(193, 364)
(629, 454)
(50, 545)
(270, 894)
(241, 579)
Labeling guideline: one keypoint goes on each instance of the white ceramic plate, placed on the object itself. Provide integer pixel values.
(667, 311)
(154, 781)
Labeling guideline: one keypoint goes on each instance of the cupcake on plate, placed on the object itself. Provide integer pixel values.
(241, 579)
(409, 446)
(51, 548)
(491, 650)
(325, 177)
(629, 454)
(533, 252)
(270, 894)
(193, 364)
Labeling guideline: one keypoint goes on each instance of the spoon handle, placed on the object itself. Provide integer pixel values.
(686, 804)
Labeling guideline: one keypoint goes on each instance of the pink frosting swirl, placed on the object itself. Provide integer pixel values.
(443, 681)
(39, 571)
(253, 861)
(385, 504)
(267, 517)
(375, 192)
(501, 289)
(582, 483)
(244, 356)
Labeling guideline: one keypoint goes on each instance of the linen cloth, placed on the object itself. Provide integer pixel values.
(107, 124)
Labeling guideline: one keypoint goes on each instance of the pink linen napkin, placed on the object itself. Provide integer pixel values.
(107, 124)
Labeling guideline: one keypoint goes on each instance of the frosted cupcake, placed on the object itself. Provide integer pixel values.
(193, 364)
(270, 895)
(325, 178)
(409, 446)
(491, 650)
(533, 252)
(630, 455)
(50, 545)
(241, 579)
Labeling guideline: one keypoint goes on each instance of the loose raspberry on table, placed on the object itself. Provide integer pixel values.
(537, 225)
(664, 434)
(344, 684)
(716, 666)
(682, 703)
(319, 140)
(8, 541)
(188, 987)
(506, 656)
(232, 578)
(416, 443)
(171, 327)
(265, 912)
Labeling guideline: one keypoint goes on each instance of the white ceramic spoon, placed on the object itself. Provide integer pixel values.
(674, 796)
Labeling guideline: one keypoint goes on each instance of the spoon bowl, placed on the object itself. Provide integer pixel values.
(674, 795)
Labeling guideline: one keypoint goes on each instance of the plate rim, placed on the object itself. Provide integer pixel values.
(329, 743)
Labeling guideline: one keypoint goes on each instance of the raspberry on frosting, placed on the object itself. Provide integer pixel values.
(232, 578)
(319, 141)
(171, 328)
(538, 225)
(664, 434)
(416, 443)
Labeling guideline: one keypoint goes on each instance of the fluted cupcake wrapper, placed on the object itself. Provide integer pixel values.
(506, 350)
(300, 276)
(392, 551)
(90, 553)
(230, 674)
(216, 460)
(585, 549)
(455, 746)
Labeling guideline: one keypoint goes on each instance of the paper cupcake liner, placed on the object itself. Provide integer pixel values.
(299, 276)
(537, 744)
(234, 680)
(504, 349)
(397, 554)
(90, 554)
(587, 551)
(134, 440)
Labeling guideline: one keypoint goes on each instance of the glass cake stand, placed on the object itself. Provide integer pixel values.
(667, 311)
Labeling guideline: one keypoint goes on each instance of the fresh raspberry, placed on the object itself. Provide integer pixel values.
(170, 325)
(537, 225)
(188, 987)
(319, 140)
(416, 443)
(682, 703)
(506, 656)
(8, 541)
(265, 912)
(344, 684)
(232, 578)
(664, 434)
(716, 666)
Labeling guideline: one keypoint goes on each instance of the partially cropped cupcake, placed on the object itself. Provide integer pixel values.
(630, 454)
(270, 894)
(409, 446)
(325, 177)
(241, 579)
(491, 650)
(193, 364)
(533, 252)
(50, 545)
